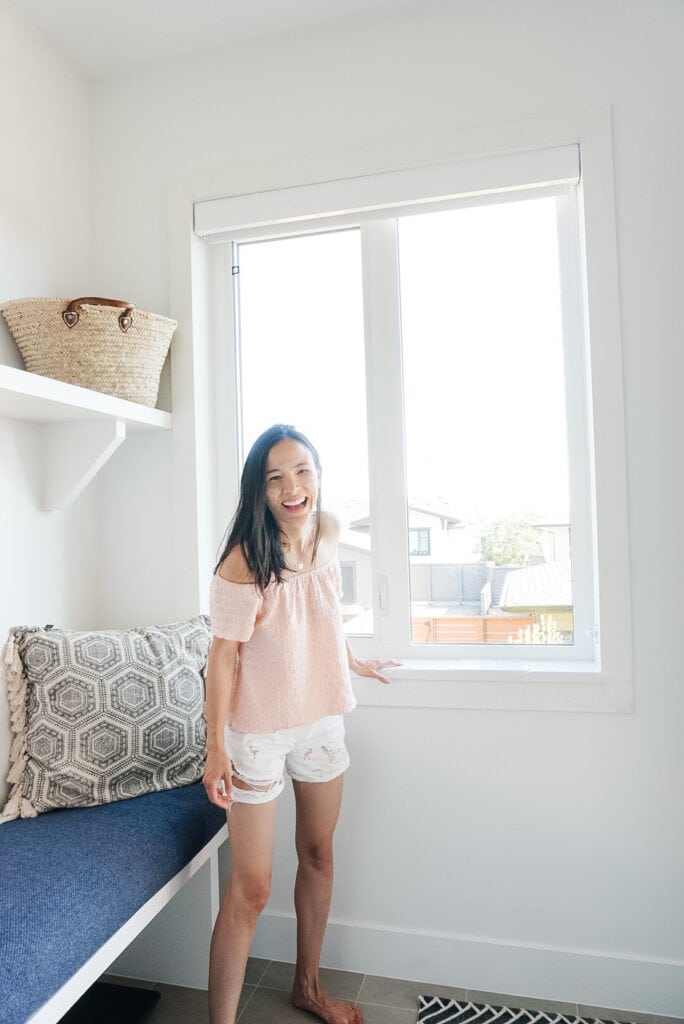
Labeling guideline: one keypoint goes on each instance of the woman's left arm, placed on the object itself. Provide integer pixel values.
(369, 666)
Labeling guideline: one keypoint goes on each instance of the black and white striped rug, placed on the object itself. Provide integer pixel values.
(440, 1010)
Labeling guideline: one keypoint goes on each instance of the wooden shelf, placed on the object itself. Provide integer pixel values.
(81, 428)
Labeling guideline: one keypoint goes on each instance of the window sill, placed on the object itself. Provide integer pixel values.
(508, 686)
(507, 670)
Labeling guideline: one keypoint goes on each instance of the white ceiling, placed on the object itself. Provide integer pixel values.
(110, 37)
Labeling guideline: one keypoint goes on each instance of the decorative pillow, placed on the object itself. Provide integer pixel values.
(103, 716)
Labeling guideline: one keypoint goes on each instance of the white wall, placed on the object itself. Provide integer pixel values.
(539, 854)
(45, 241)
(46, 558)
(136, 557)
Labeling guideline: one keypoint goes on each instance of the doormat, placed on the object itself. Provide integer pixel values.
(112, 1004)
(440, 1010)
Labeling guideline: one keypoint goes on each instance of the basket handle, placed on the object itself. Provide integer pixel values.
(71, 313)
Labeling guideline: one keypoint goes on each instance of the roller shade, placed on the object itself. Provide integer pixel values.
(328, 204)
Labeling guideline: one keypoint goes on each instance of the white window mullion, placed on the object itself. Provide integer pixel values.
(580, 442)
(389, 544)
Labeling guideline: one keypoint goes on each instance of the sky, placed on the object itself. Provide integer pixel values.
(482, 357)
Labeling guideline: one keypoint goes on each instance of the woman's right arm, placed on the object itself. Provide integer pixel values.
(220, 683)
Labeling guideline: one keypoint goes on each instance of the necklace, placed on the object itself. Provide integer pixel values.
(298, 566)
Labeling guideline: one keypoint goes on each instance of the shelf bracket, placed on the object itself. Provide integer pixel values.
(73, 453)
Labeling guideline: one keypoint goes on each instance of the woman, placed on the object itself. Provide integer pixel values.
(277, 687)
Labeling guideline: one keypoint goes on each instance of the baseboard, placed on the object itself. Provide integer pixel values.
(578, 976)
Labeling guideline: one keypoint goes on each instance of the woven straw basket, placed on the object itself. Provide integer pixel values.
(102, 344)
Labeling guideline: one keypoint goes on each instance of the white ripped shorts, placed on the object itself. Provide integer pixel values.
(309, 753)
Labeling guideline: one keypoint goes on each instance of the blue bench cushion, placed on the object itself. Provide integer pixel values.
(69, 879)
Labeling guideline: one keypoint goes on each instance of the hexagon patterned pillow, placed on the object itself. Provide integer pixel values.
(104, 715)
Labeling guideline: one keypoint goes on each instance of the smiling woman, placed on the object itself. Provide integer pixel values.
(292, 488)
(277, 689)
(279, 500)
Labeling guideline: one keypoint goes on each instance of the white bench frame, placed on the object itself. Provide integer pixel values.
(65, 997)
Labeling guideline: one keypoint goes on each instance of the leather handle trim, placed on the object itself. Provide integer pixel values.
(71, 314)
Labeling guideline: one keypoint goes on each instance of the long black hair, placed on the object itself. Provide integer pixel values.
(254, 527)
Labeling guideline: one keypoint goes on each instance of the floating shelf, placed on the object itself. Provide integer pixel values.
(28, 396)
(81, 428)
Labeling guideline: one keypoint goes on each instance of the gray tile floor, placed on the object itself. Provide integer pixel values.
(266, 999)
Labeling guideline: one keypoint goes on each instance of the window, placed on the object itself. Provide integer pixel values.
(485, 423)
(348, 570)
(465, 410)
(302, 362)
(419, 540)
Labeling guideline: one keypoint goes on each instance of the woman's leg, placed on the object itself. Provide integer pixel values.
(318, 808)
(251, 846)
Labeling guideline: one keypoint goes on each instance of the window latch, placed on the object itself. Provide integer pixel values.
(382, 594)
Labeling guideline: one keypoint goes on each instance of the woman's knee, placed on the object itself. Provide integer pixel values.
(251, 892)
(317, 854)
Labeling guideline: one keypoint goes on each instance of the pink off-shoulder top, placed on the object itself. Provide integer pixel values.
(292, 660)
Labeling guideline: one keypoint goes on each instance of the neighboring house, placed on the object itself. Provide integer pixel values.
(544, 589)
(435, 533)
(448, 577)
(443, 552)
(354, 556)
(555, 537)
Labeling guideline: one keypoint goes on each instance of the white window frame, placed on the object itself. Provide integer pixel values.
(594, 675)
(346, 564)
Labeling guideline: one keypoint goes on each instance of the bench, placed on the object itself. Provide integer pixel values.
(77, 886)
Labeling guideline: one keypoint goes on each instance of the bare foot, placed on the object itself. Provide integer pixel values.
(332, 1011)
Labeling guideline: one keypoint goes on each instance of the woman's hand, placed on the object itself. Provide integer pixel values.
(370, 666)
(218, 776)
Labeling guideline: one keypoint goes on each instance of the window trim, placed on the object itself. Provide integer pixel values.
(465, 682)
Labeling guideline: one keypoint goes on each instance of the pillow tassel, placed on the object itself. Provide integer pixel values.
(16, 772)
(17, 749)
(27, 809)
(16, 681)
(17, 806)
(12, 808)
